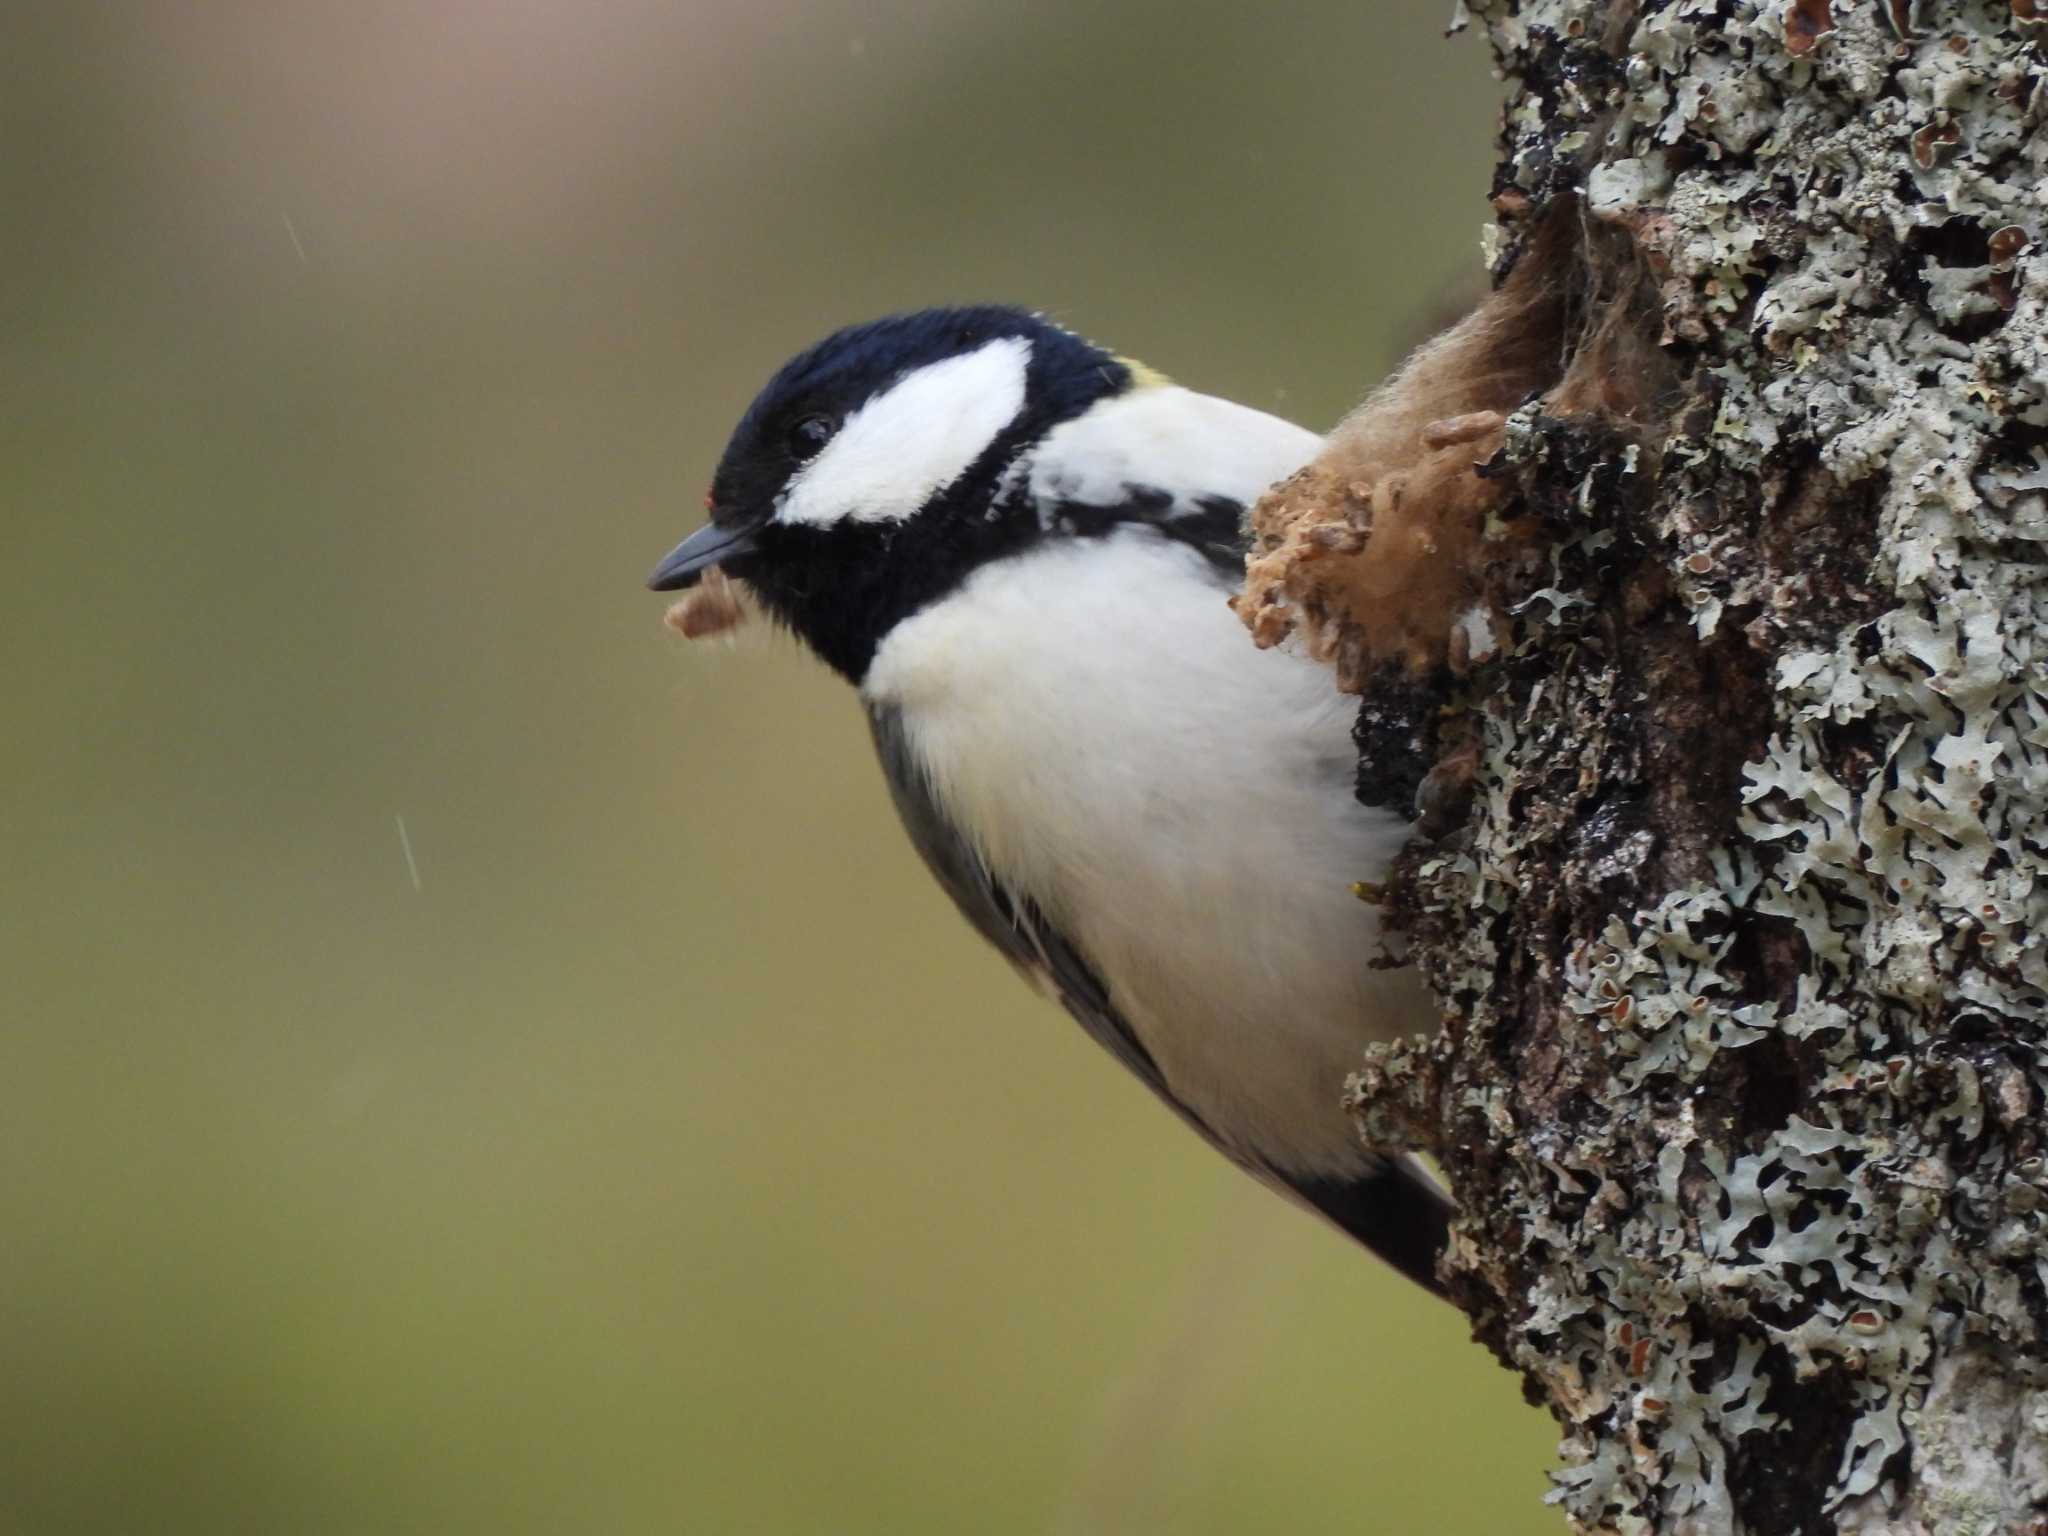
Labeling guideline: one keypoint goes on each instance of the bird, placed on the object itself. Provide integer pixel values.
(1018, 547)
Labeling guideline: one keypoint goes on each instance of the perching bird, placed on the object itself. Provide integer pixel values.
(1017, 546)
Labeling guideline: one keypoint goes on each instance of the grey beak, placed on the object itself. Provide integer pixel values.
(681, 566)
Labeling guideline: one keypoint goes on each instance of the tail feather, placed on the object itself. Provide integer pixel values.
(1395, 1209)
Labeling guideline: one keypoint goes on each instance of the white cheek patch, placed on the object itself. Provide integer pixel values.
(911, 441)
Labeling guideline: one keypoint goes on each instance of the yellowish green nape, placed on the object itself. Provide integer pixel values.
(1143, 375)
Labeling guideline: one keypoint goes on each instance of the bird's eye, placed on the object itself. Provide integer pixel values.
(807, 434)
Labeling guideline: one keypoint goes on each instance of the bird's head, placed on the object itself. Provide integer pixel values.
(871, 474)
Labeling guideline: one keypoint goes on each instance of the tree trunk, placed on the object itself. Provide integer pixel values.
(1729, 661)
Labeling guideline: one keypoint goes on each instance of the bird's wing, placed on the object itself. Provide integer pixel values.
(1394, 1207)
(1212, 526)
(1185, 464)
(1013, 925)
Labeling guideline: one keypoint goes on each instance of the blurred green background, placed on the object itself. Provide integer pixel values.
(666, 1155)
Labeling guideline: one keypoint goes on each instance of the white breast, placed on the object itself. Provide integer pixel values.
(1179, 803)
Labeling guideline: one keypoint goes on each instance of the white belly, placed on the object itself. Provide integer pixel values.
(1200, 857)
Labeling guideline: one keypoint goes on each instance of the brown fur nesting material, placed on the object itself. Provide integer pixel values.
(1366, 571)
(1381, 546)
(712, 607)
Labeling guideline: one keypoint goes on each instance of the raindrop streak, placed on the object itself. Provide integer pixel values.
(405, 843)
(293, 230)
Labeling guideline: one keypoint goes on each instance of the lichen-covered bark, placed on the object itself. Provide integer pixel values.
(1741, 934)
